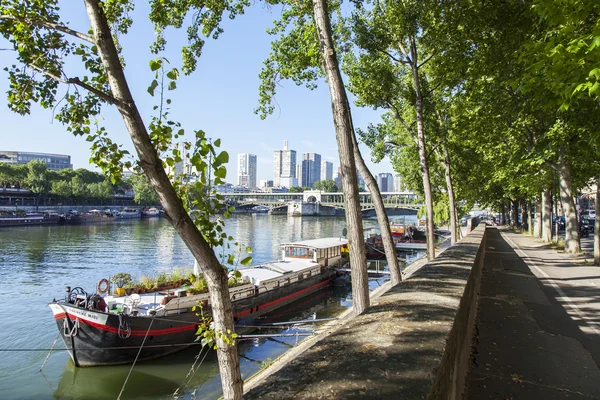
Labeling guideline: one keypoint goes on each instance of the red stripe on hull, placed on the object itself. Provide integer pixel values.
(288, 297)
(189, 327)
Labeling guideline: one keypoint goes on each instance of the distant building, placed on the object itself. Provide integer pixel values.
(385, 181)
(247, 170)
(326, 170)
(284, 167)
(265, 183)
(338, 179)
(397, 183)
(183, 170)
(55, 162)
(311, 169)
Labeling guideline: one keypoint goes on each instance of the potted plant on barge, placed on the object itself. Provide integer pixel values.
(120, 280)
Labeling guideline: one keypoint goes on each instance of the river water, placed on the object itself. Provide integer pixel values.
(36, 263)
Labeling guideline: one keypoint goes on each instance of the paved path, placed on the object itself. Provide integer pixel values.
(538, 324)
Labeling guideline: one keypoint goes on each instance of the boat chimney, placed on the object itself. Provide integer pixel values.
(285, 144)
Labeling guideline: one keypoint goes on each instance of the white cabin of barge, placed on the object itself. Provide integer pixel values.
(325, 251)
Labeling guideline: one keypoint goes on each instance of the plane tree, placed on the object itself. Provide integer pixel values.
(44, 45)
(305, 50)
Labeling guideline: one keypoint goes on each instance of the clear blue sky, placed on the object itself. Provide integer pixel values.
(218, 98)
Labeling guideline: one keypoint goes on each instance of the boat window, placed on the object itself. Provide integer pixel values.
(299, 252)
(300, 276)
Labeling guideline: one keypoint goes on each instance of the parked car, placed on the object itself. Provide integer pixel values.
(560, 220)
(587, 223)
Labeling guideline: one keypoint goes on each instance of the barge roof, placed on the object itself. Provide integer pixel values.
(322, 243)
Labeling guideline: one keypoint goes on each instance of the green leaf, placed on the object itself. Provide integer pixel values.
(155, 64)
(152, 87)
(246, 261)
(223, 157)
(217, 143)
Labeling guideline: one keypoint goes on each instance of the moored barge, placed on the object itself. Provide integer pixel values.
(107, 330)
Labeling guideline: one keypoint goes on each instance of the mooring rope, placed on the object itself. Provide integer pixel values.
(192, 371)
(51, 348)
(136, 358)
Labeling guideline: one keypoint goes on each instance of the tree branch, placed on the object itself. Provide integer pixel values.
(400, 119)
(50, 25)
(76, 81)
(403, 50)
(425, 62)
(392, 57)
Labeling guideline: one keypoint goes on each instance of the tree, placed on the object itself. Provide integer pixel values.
(62, 189)
(42, 42)
(298, 189)
(144, 194)
(326, 186)
(389, 73)
(304, 51)
(37, 179)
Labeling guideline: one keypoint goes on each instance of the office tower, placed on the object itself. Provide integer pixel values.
(326, 170)
(247, 170)
(359, 179)
(397, 183)
(265, 183)
(385, 181)
(311, 169)
(284, 167)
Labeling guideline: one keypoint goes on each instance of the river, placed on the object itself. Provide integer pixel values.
(37, 263)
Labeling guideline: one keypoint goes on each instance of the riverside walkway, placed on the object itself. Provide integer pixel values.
(498, 316)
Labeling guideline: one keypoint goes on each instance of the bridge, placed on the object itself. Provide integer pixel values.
(280, 201)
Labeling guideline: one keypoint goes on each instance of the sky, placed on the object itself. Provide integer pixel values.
(219, 98)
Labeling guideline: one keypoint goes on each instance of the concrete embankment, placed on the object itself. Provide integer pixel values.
(414, 342)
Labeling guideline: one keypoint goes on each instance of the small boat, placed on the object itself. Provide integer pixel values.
(103, 329)
(411, 238)
(25, 219)
(129, 213)
(150, 212)
(91, 217)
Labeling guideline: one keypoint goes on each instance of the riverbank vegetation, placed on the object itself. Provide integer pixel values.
(73, 187)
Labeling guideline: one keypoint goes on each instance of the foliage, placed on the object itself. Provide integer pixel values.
(298, 189)
(121, 279)
(326, 186)
(144, 194)
(37, 178)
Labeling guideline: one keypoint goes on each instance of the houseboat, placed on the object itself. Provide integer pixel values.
(129, 213)
(100, 329)
(150, 213)
(25, 219)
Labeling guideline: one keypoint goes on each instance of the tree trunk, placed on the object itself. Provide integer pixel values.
(547, 215)
(384, 224)
(422, 150)
(529, 218)
(537, 227)
(524, 220)
(343, 130)
(216, 275)
(597, 225)
(514, 214)
(572, 244)
(451, 200)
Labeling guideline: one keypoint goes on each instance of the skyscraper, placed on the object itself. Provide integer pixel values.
(397, 183)
(311, 169)
(385, 181)
(284, 167)
(326, 170)
(247, 170)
